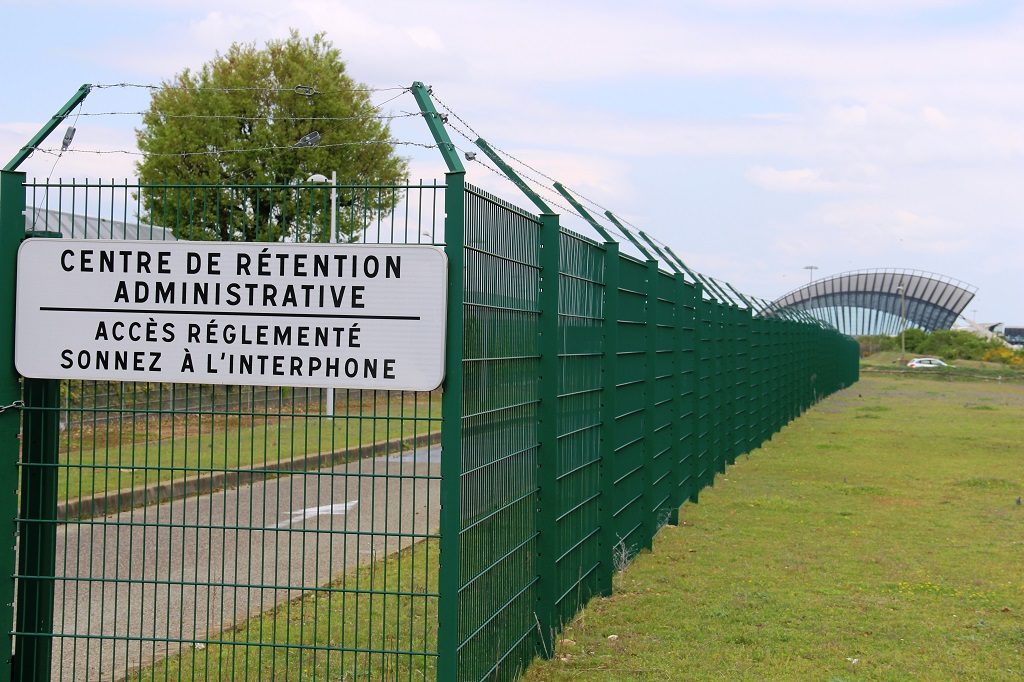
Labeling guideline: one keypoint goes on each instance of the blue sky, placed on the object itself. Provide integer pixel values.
(755, 137)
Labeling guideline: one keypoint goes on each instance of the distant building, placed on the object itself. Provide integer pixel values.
(75, 226)
(880, 302)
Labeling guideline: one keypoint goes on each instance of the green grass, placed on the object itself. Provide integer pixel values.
(356, 616)
(888, 362)
(134, 452)
(847, 548)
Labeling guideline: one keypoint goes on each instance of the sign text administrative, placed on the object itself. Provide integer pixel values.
(319, 315)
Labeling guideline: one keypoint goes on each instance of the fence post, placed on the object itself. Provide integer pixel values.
(757, 335)
(693, 459)
(703, 402)
(12, 231)
(609, 503)
(734, 349)
(650, 514)
(753, 385)
(718, 389)
(789, 338)
(547, 432)
(777, 349)
(449, 578)
(680, 438)
(37, 540)
(743, 379)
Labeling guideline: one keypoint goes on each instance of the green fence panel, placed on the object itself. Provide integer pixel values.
(608, 507)
(12, 206)
(689, 412)
(498, 477)
(580, 383)
(193, 532)
(664, 504)
(177, 531)
(629, 465)
(705, 387)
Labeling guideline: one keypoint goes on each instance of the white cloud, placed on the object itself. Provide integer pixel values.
(425, 37)
(109, 163)
(880, 142)
(795, 180)
(833, 6)
(881, 228)
(935, 118)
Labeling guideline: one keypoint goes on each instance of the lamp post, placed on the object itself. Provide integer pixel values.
(903, 321)
(320, 177)
(810, 274)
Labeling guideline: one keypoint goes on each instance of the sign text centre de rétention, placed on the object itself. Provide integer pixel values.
(320, 315)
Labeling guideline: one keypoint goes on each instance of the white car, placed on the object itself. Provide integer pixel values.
(917, 363)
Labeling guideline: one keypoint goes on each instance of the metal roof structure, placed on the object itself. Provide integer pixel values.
(880, 301)
(75, 226)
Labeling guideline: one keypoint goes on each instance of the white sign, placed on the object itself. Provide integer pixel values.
(319, 315)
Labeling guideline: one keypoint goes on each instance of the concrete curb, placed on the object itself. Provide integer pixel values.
(105, 503)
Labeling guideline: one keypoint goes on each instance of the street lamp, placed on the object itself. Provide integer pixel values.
(810, 274)
(320, 177)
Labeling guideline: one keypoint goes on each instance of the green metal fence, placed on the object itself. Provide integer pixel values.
(186, 532)
(172, 532)
(592, 395)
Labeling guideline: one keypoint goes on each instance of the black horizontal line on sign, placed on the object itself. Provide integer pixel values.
(240, 313)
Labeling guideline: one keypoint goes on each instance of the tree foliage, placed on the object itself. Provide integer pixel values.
(949, 344)
(231, 127)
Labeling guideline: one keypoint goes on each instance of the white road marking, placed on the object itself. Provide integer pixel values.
(313, 512)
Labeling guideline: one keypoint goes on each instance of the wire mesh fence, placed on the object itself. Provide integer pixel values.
(599, 393)
(88, 405)
(186, 532)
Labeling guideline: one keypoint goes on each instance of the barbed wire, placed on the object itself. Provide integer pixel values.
(534, 175)
(65, 145)
(550, 195)
(217, 152)
(236, 117)
(391, 99)
(524, 164)
(306, 89)
(444, 106)
(475, 159)
(270, 148)
(526, 176)
(503, 176)
(533, 181)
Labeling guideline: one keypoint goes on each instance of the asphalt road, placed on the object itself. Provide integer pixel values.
(172, 571)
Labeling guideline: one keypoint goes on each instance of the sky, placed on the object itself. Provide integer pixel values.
(756, 137)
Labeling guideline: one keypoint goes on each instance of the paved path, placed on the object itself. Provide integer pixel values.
(169, 571)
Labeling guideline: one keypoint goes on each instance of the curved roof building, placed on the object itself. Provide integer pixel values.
(880, 301)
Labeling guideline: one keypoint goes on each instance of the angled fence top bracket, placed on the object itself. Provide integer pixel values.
(435, 122)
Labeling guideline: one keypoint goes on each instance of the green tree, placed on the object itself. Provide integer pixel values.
(232, 128)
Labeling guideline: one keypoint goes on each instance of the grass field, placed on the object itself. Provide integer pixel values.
(149, 448)
(381, 618)
(960, 370)
(880, 536)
